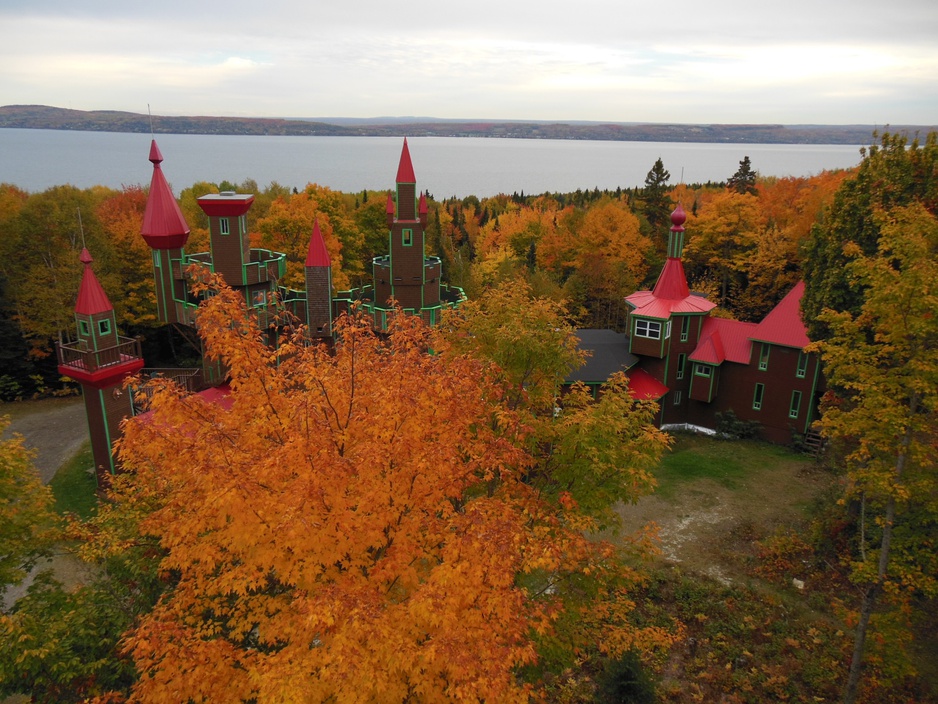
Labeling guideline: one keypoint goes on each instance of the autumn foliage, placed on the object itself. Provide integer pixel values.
(353, 528)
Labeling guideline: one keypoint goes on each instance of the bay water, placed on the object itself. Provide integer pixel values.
(36, 160)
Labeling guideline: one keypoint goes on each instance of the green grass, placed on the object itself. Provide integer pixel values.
(74, 485)
(696, 457)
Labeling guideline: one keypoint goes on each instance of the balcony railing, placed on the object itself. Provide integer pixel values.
(78, 357)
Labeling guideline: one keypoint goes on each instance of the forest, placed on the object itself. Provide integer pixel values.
(436, 521)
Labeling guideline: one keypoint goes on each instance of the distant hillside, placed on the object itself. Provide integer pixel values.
(51, 118)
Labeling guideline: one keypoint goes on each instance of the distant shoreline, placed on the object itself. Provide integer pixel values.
(53, 118)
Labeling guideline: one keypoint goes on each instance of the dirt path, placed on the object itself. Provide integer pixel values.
(54, 428)
(710, 529)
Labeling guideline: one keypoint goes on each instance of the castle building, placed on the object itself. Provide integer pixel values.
(406, 279)
(700, 367)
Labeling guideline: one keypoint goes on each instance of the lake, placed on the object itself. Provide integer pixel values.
(445, 166)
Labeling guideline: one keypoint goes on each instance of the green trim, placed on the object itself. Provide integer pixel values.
(758, 397)
(703, 369)
(794, 408)
(802, 368)
(224, 227)
(681, 362)
(104, 327)
(107, 432)
(83, 328)
(685, 328)
(764, 356)
(407, 237)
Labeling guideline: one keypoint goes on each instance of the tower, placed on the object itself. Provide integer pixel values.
(100, 360)
(318, 269)
(165, 230)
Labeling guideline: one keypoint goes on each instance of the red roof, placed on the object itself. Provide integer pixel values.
(405, 172)
(422, 206)
(647, 304)
(91, 297)
(723, 340)
(644, 387)
(672, 282)
(783, 325)
(164, 226)
(317, 255)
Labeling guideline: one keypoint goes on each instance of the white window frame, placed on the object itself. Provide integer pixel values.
(645, 327)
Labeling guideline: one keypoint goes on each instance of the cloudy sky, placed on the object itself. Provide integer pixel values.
(723, 61)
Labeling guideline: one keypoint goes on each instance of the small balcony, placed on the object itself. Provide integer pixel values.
(100, 368)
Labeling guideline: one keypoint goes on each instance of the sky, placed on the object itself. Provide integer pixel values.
(683, 61)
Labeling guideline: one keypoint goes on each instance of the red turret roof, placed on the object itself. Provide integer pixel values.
(389, 208)
(422, 206)
(317, 255)
(164, 226)
(91, 297)
(671, 293)
(783, 325)
(405, 172)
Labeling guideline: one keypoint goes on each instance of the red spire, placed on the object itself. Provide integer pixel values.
(422, 207)
(91, 297)
(405, 172)
(390, 206)
(317, 255)
(164, 226)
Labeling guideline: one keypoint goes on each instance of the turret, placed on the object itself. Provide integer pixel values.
(100, 360)
(318, 286)
(166, 232)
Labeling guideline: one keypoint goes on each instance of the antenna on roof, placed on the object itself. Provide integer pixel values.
(150, 114)
(682, 175)
(81, 229)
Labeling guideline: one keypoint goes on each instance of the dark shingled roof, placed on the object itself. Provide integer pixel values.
(610, 354)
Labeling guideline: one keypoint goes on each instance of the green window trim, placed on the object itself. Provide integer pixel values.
(681, 361)
(802, 370)
(764, 357)
(795, 408)
(667, 330)
(704, 370)
(104, 327)
(758, 397)
(83, 328)
(224, 226)
(407, 237)
(649, 329)
(685, 328)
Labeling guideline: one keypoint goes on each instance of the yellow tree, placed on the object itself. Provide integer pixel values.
(352, 527)
(882, 362)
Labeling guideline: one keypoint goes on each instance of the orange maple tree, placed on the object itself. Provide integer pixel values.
(353, 527)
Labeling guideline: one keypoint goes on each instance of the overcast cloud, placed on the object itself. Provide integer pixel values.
(799, 61)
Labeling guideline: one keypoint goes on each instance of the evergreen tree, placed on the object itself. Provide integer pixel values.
(744, 180)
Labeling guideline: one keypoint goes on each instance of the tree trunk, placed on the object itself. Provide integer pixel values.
(871, 595)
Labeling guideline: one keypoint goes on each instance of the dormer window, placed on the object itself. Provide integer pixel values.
(647, 328)
(703, 370)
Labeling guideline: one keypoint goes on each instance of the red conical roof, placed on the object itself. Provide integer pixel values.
(317, 255)
(422, 206)
(389, 208)
(164, 226)
(405, 172)
(91, 297)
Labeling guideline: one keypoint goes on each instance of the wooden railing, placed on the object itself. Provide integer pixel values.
(76, 355)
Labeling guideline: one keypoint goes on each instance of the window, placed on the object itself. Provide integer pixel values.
(408, 237)
(156, 258)
(677, 398)
(681, 361)
(764, 357)
(259, 298)
(667, 330)
(83, 328)
(757, 397)
(802, 365)
(703, 370)
(104, 327)
(795, 404)
(647, 328)
(223, 226)
(685, 328)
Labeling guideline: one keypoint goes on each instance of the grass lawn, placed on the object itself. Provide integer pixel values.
(74, 485)
(728, 463)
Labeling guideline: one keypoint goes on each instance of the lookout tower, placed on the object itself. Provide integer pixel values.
(100, 360)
